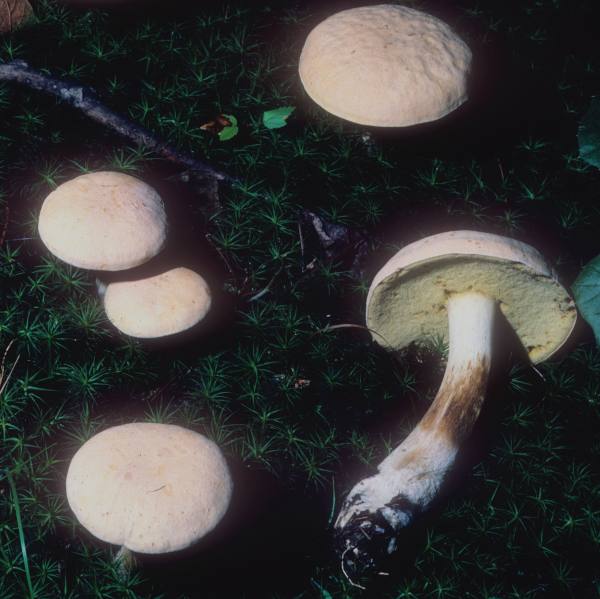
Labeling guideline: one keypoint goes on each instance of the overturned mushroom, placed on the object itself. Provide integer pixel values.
(385, 65)
(453, 285)
(151, 488)
(164, 304)
(103, 221)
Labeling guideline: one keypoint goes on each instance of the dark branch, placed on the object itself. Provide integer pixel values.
(84, 98)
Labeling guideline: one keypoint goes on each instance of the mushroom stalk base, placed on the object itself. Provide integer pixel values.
(378, 507)
(124, 562)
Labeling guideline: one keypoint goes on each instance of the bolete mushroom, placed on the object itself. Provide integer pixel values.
(103, 221)
(452, 285)
(385, 65)
(13, 13)
(150, 488)
(164, 304)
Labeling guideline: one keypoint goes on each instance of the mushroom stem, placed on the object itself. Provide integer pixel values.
(410, 477)
(125, 562)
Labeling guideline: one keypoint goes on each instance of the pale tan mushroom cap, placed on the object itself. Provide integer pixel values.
(152, 488)
(103, 221)
(164, 304)
(407, 299)
(385, 65)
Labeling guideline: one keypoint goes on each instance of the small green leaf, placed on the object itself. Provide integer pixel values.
(586, 290)
(231, 130)
(589, 134)
(277, 118)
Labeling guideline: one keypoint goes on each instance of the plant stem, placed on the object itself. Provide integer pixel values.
(17, 508)
(124, 561)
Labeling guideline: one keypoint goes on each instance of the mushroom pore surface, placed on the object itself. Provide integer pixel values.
(152, 488)
(407, 300)
(385, 65)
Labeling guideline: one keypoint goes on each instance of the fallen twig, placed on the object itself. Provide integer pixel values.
(85, 99)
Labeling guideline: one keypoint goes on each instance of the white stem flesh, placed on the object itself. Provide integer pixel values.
(125, 562)
(410, 477)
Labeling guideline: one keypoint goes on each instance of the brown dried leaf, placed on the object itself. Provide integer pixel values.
(215, 126)
(13, 13)
(301, 383)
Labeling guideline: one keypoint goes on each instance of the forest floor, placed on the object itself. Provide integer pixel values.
(302, 412)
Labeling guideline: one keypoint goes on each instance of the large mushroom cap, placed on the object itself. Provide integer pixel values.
(407, 299)
(152, 488)
(385, 65)
(164, 304)
(103, 221)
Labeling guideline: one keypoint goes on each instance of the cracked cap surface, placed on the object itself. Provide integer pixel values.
(385, 65)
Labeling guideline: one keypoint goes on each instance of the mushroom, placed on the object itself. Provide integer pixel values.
(451, 285)
(385, 66)
(103, 221)
(151, 488)
(13, 13)
(160, 305)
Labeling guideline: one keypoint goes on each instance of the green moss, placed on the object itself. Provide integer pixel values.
(301, 413)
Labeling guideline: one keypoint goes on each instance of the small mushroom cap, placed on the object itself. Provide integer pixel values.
(407, 299)
(164, 304)
(385, 66)
(103, 221)
(152, 488)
